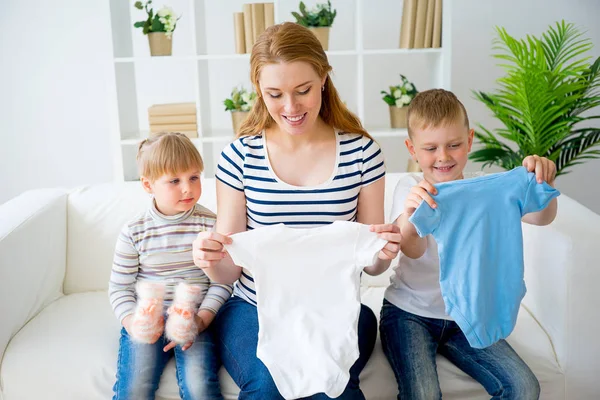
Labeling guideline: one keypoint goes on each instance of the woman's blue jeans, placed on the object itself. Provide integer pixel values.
(237, 329)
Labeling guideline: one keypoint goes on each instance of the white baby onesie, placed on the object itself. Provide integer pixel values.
(308, 301)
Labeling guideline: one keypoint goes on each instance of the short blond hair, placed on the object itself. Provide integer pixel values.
(434, 108)
(167, 153)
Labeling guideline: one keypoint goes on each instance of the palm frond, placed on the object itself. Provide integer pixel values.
(581, 147)
(548, 84)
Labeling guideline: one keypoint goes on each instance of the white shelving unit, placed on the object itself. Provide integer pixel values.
(204, 68)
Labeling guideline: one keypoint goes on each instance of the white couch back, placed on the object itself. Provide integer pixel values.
(97, 213)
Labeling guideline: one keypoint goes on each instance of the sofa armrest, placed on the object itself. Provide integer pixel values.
(562, 273)
(33, 234)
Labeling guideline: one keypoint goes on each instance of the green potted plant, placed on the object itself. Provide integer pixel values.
(318, 20)
(158, 26)
(240, 103)
(542, 100)
(398, 99)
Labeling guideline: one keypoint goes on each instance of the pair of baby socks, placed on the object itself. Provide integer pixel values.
(148, 321)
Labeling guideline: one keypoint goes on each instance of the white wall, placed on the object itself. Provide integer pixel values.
(473, 68)
(55, 71)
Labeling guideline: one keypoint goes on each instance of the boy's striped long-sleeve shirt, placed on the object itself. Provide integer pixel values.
(158, 248)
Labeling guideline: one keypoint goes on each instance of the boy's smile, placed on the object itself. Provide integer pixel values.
(442, 152)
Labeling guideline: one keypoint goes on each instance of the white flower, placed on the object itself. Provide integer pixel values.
(408, 86)
(405, 99)
(165, 11)
(246, 97)
(397, 93)
(246, 107)
(399, 103)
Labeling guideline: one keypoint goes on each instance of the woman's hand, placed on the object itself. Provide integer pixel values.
(391, 233)
(208, 249)
(545, 169)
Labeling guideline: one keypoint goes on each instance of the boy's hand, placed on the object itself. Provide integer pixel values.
(200, 323)
(545, 170)
(127, 323)
(418, 194)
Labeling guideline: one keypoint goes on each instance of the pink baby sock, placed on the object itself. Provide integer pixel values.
(181, 325)
(148, 321)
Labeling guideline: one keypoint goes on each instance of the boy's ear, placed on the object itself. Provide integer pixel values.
(411, 148)
(146, 184)
(471, 134)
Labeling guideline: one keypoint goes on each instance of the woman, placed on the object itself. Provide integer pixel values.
(301, 158)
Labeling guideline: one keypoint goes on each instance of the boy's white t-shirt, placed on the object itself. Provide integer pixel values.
(415, 284)
(308, 301)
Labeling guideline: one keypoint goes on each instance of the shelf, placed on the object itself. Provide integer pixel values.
(183, 58)
(401, 51)
(217, 136)
(225, 136)
(364, 56)
(387, 133)
(246, 56)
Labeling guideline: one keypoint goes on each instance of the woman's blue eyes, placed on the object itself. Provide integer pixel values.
(276, 96)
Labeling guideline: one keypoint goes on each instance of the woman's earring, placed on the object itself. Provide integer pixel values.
(323, 88)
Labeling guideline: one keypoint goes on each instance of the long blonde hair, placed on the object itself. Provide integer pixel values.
(289, 42)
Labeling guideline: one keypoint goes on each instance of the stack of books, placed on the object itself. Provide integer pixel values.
(173, 117)
(421, 24)
(250, 23)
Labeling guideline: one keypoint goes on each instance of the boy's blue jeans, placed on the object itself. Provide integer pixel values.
(140, 366)
(410, 343)
(237, 328)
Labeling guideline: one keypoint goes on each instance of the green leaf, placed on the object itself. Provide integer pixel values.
(323, 17)
(157, 26)
(229, 106)
(138, 5)
(299, 19)
(139, 24)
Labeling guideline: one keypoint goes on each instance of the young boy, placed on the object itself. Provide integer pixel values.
(414, 325)
(156, 247)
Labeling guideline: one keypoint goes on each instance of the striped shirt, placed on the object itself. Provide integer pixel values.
(156, 247)
(244, 165)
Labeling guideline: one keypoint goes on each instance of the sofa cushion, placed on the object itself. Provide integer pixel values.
(96, 215)
(70, 350)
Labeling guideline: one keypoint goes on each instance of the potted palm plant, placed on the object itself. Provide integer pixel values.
(318, 20)
(542, 100)
(240, 103)
(158, 26)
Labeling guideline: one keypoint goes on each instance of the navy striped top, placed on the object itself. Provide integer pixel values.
(244, 165)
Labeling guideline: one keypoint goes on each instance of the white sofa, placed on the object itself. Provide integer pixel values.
(59, 337)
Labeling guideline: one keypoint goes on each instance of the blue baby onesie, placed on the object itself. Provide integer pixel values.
(477, 227)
